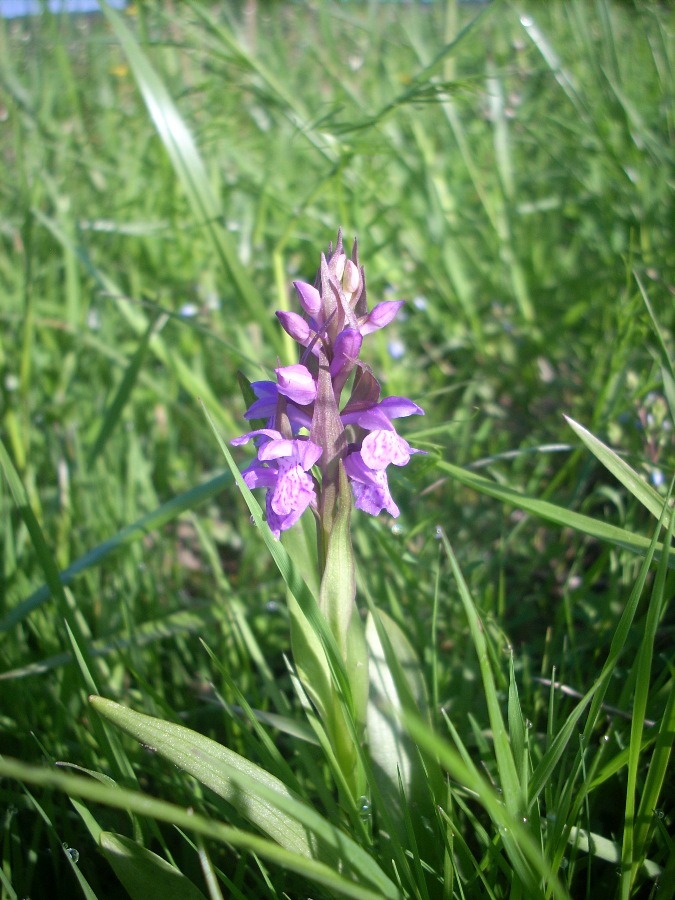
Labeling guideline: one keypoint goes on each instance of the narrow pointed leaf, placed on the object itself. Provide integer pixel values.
(566, 518)
(262, 799)
(145, 874)
(189, 820)
(629, 478)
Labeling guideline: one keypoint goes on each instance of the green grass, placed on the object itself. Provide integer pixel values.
(509, 172)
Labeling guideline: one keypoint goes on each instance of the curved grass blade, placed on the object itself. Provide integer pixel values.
(524, 853)
(628, 477)
(141, 804)
(513, 795)
(260, 797)
(148, 523)
(633, 853)
(566, 518)
(188, 165)
(126, 386)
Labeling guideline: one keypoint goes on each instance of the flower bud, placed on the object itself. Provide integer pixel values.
(337, 264)
(351, 279)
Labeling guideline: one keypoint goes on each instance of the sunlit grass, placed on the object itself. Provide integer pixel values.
(166, 178)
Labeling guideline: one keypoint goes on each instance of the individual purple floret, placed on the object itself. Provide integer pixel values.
(307, 422)
(282, 467)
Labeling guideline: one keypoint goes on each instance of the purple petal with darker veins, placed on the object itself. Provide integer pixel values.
(380, 448)
(370, 487)
(374, 499)
(294, 490)
(279, 523)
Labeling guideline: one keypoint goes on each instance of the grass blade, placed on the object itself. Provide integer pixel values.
(188, 165)
(628, 477)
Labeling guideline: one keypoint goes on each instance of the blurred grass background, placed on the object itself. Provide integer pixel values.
(507, 169)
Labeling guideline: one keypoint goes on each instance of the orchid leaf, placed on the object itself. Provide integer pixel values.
(145, 874)
(320, 873)
(396, 760)
(258, 796)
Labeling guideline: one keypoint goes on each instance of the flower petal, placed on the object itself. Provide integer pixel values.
(303, 452)
(310, 298)
(269, 433)
(297, 383)
(265, 406)
(380, 448)
(379, 415)
(397, 407)
(294, 490)
(380, 315)
(257, 476)
(297, 327)
(370, 487)
(345, 354)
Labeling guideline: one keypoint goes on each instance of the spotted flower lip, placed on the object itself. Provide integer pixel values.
(370, 487)
(282, 466)
(309, 425)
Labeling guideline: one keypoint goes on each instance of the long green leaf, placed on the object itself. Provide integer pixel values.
(524, 853)
(629, 478)
(632, 854)
(261, 798)
(123, 393)
(141, 804)
(550, 512)
(148, 523)
(188, 165)
(145, 874)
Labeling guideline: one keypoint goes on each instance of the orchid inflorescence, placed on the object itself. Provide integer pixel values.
(307, 428)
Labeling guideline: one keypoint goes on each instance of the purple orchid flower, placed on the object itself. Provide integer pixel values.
(282, 467)
(305, 425)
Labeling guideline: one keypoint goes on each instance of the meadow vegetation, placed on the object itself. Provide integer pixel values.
(508, 171)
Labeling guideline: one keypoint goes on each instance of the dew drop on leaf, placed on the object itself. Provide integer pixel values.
(363, 806)
(72, 854)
